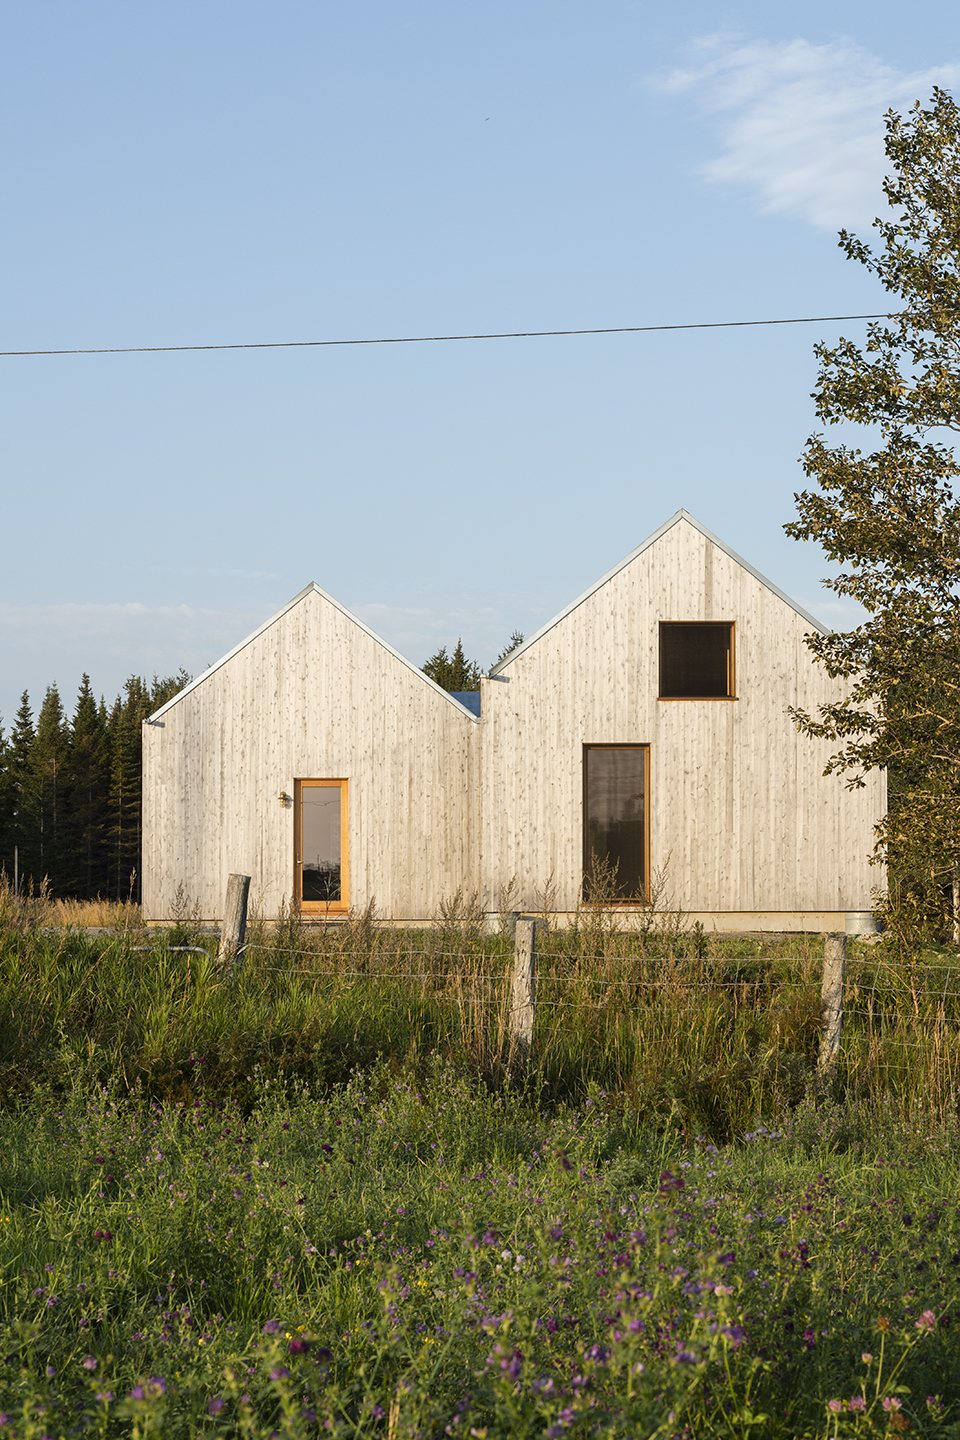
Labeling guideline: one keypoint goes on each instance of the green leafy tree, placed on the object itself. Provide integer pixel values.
(891, 518)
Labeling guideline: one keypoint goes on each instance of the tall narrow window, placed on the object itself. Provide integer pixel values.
(615, 843)
(696, 660)
(321, 854)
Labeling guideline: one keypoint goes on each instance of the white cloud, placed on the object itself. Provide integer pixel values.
(802, 124)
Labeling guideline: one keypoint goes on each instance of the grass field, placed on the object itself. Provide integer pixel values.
(307, 1202)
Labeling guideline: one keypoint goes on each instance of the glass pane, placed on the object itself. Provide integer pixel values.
(615, 857)
(695, 661)
(320, 842)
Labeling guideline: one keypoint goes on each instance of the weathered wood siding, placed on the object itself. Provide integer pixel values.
(741, 816)
(313, 695)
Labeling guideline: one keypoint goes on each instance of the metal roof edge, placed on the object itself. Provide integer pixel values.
(645, 545)
(312, 589)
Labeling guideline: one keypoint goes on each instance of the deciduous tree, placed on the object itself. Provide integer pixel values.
(890, 515)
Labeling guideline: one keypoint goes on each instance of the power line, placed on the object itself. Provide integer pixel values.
(431, 339)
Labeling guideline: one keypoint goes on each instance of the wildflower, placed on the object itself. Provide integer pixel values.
(927, 1322)
(90, 1363)
(377, 1411)
(883, 1324)
(890, 1402)
(857, 1402)
(866, 1357)
(299, 1346)
(835, 1405)
(215, 1406)
(272, 1327)
(105, 1396)
(51, 1373)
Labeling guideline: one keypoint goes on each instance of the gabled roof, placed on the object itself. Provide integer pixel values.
(650, 540)
(312, 589)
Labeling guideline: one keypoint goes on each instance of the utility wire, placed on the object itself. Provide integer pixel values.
(430, 339)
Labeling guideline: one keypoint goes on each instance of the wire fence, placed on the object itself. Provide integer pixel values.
(885, 1009)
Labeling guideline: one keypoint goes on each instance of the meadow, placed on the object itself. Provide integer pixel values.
(309, 1200)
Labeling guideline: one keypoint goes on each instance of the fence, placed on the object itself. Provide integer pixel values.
(514, 992)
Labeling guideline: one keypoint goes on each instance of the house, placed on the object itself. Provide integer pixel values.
(644, 731)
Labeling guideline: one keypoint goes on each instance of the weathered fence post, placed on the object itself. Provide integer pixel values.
(523, 999)
(831, 1000)
(233, 934)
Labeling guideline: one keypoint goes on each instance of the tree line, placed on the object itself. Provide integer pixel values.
(71, 790)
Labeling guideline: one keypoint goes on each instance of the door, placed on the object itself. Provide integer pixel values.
(320, 818)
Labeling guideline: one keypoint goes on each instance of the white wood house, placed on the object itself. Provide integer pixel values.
(646, 727)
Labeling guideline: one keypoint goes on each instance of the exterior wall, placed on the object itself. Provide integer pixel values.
(741, 817)
(312, 695)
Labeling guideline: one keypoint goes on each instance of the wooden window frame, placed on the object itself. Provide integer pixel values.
(730, 625)
(629, 902)
(321, 907)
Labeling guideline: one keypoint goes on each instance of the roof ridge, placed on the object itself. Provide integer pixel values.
(628, 559)
(312, 589)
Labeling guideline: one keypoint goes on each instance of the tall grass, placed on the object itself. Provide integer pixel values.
(34, 908)
(676, 1026)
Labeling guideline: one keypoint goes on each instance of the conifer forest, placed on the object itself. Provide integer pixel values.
(70, 790)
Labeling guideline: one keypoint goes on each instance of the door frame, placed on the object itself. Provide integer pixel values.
(639, 900)
(321, 907)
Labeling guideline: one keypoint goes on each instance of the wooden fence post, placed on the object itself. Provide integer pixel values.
(523, 999)
(831, 1000)
(233, 934)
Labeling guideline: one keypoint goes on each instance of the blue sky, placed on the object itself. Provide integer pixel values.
(214, 172)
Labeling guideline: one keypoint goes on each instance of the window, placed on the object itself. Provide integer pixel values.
(320, 820)
(615, 809)
(696, 660)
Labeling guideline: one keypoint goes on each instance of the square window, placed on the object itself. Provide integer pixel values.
(696, 660)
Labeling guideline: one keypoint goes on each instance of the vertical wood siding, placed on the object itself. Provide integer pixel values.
(312, 696)
(741, 816)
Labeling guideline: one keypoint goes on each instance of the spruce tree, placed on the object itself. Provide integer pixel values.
(48, 789)
(89, 796)
(6, 808)
(22, 831)
(453, 672)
